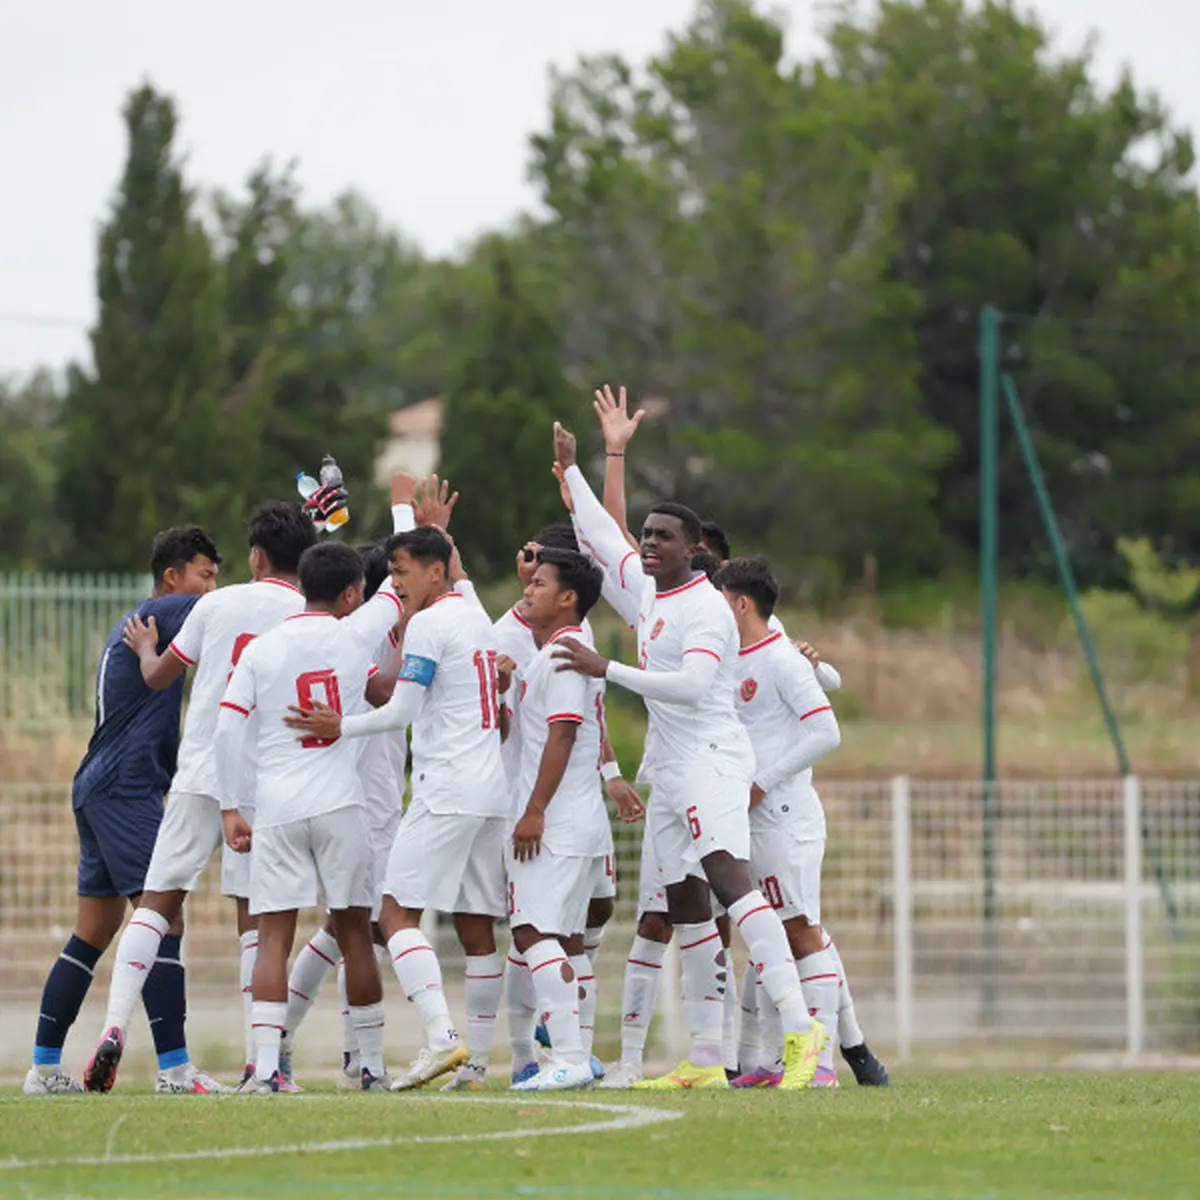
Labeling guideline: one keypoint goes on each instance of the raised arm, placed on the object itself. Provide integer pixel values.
(618, 428)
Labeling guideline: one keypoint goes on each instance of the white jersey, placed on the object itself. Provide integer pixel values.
(381, 760)
(692, 619)
(776, 688)
(311, 656)
(213, 637)
(576, 820)
(456, 736)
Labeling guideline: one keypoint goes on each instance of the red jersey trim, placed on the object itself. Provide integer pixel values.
(771, 637)
(179, 654)
(283, 583)
(683, 588)
(702, 650)
(520, 620)
(443, 596)
(576, 717)
(812, 712)
(394, 598)
(237, 708)
(565, 631)
(621, 566)
(301, 616)
(372, 672)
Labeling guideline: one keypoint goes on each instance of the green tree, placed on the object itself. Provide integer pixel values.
(1039, 191)
(141, 437)
(28, 417)
(505, 393)
(723, 238)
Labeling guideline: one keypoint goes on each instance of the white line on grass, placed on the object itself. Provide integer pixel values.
(624, 1116)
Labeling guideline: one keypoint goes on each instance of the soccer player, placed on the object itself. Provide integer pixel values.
(117, 796)
(699, 764)
(213, 638)
(791, 726)
(562, 841)
(310, 826)
(448, 853)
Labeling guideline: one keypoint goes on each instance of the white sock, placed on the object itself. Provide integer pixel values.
(767, 942)
(485, 981)
(367, 1020)
(819, 980)
(848, 1031)
(770, 1029)
(249, 941)
(420, 975)
(136, 952)
(522, 1010)
(591, 942)
(750, 1050)
(317, 957)
(351, 1060)
(581, 964)
(557, 995)
(266, 1019)
(703, 960)
(729, 1017)
(639, 995)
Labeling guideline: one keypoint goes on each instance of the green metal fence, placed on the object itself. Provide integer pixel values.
(52, 628)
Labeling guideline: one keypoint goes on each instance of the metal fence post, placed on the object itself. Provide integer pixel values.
(1135, 995)
(902, 915)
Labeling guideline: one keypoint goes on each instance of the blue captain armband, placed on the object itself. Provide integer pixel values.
(416, 669)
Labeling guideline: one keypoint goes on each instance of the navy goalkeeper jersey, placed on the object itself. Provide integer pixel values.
(135, 741)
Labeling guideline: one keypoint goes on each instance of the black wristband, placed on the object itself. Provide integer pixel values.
(614, 454)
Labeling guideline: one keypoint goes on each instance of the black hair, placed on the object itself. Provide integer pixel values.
(425, 543)
(328, 569)
(558, 537)
(751, 577)
(375, 567)
(177, 546)
(283, 532)
(683, 514)
(576, 573)
(716, 539)
(706, 561)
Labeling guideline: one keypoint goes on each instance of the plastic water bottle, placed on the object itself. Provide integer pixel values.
(331, 476)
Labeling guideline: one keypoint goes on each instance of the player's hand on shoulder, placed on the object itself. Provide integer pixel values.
(809, 652)
(238, 834)
(628, 800)
(572, 655)
(140, 636)
(527, 835)
(320, 721)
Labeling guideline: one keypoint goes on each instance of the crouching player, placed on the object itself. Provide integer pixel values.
(562, 836)
(310, 828)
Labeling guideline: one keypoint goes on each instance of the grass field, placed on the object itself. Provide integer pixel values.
(989, 1137)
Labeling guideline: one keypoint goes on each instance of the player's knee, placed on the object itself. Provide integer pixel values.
(655, 927)
(803, 938)
(524, 937)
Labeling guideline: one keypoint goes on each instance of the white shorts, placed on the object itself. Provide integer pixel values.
(700, 811)
(788, 871)
(552, 891)
(383, 837)
(329, 853)
(235, 867)
(191, 830)
(652, 890)
(448, 862)
(605, 886)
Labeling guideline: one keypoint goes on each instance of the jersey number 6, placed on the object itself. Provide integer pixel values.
(306, 684)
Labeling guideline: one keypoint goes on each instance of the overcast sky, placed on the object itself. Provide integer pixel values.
(425, 108)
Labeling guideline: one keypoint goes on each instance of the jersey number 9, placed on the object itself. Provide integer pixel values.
(325, 683)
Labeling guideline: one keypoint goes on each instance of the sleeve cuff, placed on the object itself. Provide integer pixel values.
(404, 518)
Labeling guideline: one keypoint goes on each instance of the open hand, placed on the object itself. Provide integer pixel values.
(320, 721)
(615, 422)
(572, 655)
(140, 636)
(434, 502)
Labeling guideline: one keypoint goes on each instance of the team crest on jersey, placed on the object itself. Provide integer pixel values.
(658, 628)
(749, 690)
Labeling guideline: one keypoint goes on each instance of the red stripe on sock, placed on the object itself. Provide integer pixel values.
(320, 955)
(487, 976)
(586, 978)
(300, 994)
(548, 963)
(265, 1025)
(411, 950)
(637, 962)
(150, 927)
(693, 945)
(812, 978)
(760, 908)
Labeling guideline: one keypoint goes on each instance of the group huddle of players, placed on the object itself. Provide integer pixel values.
(293, 760)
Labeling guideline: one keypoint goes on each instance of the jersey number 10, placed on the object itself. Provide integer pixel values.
(489, 699)
(306, 684)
